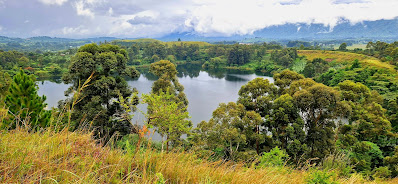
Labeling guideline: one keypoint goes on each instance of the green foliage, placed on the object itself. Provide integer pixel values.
(231, 129)
(168, 81)
(381, 172)
(315, 67)
(169, 117)
(321, 177)
(392, 162)
(257, 95)
(284, 57)
(286, 126)
(239, 54)
(106, 66)
(131, 142)
(319, 106)
(365, 156)
(216, 62)
(285, 78)
(275, 157)
(24, 104)
(5, 81)
(161, 179)
(299, 65)
(343, 47)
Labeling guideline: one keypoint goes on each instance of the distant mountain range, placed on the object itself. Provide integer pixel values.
(377, 30)
(385, 30)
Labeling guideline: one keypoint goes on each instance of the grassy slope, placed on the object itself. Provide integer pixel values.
(343, 57)
(68, 157)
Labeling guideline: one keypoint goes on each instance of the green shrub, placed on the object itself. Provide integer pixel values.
(321, 177)
(276, 157)
(381, 172)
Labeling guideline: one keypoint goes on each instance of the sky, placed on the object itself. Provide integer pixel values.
(157, 18)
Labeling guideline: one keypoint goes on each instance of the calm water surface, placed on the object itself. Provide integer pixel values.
(204, 89)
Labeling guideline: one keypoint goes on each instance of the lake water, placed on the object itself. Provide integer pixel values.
(204, 89)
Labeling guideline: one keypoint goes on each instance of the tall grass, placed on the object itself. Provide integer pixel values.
(74, 157)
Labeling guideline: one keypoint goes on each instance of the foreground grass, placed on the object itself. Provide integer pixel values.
(344, 57)
(74, 157)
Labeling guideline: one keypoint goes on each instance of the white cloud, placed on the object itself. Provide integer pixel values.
(53, 2)
(82, 10)
(110, 11)
(1, 28)
(227, 17)
(148, 18)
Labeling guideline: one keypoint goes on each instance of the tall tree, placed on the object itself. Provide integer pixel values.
(107, 64)
(167, 116)
(287, 127)
(168, 87)
(25, 104)
(257, 96)
(319, 107)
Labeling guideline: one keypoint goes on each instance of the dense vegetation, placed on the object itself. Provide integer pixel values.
(329, 114)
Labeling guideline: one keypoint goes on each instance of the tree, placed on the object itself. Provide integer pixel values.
(228, 130)
(167, 73)
(168, 82)
(167, 116)
(5, 81)
(315, 67)
(24, 104)
(367, 115)
(106, 65)
(239, 54)
(319, 107)
(257, 96)
(343, 47)
(284, 79)
(287, 127)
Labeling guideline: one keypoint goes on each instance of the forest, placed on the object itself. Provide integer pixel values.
(328, 117)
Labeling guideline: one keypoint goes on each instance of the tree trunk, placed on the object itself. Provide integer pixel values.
(162, 144)
(257, 145)
(167, 144)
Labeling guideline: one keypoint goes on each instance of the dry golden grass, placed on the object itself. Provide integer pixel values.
(74, 157)
(348, 57)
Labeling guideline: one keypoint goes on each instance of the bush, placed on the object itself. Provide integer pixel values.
(381, 172)
(276, 157)
(321, 177)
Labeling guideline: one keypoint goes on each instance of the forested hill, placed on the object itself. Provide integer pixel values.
(45, 43)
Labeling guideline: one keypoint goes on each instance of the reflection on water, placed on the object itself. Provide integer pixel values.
(204, 89)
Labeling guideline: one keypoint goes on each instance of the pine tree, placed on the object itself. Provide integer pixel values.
(24, 104)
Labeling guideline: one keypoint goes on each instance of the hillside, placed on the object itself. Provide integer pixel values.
(345, 57)
(74, 157)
